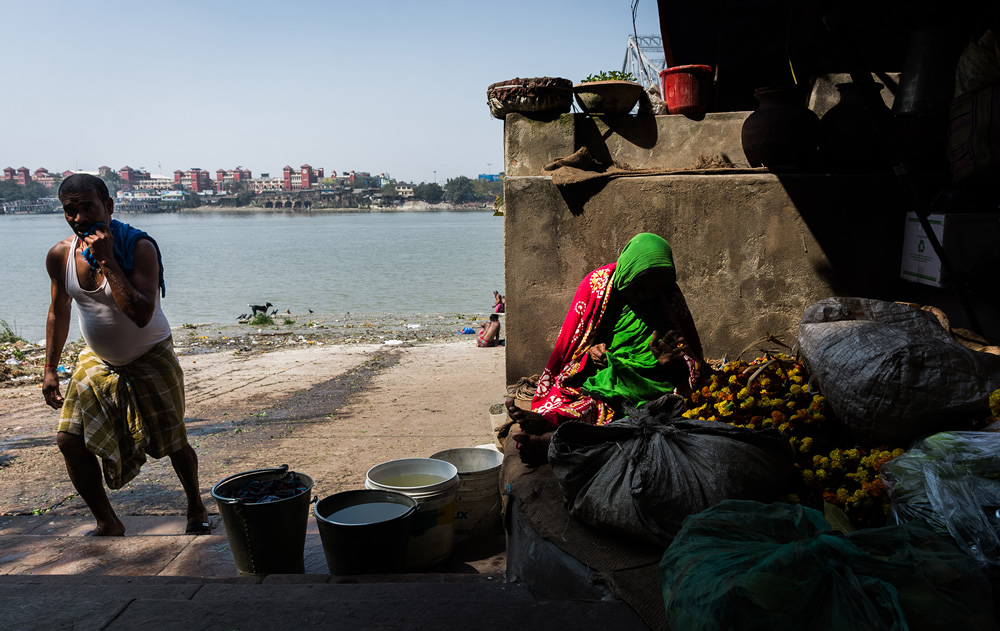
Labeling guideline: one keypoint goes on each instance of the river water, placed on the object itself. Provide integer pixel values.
(217, 263)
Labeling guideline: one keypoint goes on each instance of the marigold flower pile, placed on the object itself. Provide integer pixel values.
(774, 393)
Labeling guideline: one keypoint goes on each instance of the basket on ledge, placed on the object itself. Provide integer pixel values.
(546, 96)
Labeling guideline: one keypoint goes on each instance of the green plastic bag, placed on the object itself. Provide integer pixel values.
(746, 565)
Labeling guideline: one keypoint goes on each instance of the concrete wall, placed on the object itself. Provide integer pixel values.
(752, 249)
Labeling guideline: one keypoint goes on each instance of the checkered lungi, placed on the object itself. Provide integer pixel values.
(125, 412)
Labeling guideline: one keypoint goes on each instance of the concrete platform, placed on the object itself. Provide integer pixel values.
(54, 577)
(157, 546)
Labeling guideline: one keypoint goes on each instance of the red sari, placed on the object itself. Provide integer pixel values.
(554, 399)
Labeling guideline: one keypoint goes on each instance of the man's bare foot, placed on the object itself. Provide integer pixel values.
(533, 449)
(116, 529)
(198, 522)
(530, 422)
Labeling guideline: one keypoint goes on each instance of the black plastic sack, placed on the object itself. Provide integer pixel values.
(891, 372)
(643, 474)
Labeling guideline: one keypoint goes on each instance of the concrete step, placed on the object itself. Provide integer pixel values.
(157, 546)
(438, 602)
(54, 577)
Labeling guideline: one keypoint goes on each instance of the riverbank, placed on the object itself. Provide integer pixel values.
(331, 404)
(22, 362)
(412, 207)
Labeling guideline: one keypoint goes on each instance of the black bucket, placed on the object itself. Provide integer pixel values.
(267, 537)
(359, 544)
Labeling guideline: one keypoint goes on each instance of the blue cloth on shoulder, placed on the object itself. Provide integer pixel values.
(125, 237)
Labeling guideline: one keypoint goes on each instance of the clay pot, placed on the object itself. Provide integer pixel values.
(848, 140)
(782, 134)
(607, 97)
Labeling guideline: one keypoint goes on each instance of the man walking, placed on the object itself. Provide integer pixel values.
(125, 398)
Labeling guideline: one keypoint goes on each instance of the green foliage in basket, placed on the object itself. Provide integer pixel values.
(610, 75)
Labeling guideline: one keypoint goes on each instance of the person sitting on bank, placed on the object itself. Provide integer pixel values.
(499, 303)
(489, 333)
(628, 338)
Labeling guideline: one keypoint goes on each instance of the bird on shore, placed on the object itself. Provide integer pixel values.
(243, 316)
(274, 312)
(310, 310)
(255, 309)
(288, 311)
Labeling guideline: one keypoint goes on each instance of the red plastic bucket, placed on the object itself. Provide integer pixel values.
(685, 88)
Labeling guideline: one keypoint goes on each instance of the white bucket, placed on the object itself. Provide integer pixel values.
(433, 526)
(477, 506)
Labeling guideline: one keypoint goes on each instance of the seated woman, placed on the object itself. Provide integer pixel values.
(489, 332)
(628, 338)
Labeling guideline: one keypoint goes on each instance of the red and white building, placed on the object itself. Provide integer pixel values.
(21, 176)
(194, 180)
(224, 178)
(132, 178)
(301, 179)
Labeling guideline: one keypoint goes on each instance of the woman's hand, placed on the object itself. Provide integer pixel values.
(667, 349)
(598, 354)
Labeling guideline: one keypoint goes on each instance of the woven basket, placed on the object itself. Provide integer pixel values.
(538, 95)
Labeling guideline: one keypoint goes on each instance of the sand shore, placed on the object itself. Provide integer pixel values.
(330, 402)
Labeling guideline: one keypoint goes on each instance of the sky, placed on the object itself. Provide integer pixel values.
(380, 86)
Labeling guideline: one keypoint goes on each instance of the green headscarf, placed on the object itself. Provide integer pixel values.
(632, 375)
(644, 252)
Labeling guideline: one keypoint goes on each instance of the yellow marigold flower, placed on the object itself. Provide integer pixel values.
(824, 462)
(896, 453)
(764, 382)
(790, 405)
(751, 401)
(852, 454)
(742, 394)
(733, 380)
(783, 427)
(995, 403)
(808, 475)
(795, 389)
(797, 379)
(843, 494)
(806, 446)
(820, 474)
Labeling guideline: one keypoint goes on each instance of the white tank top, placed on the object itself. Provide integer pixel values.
(106, 329)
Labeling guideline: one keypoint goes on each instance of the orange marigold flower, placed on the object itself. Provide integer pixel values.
(778, 417)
